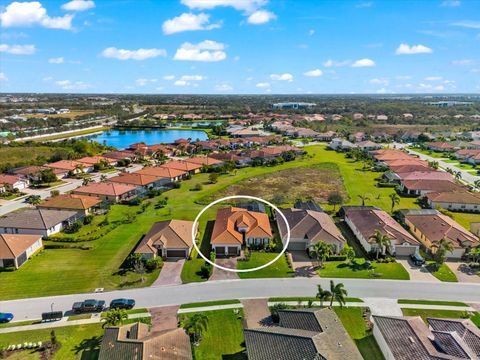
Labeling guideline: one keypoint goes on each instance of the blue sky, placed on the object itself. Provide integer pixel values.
(240, 46)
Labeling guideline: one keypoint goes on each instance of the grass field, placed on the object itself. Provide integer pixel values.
(77, 342)
(352, 320)
(278, 269)
(431, 302)
(341, 269)
(70, 134)
(223, 338)
(25, 154)
(308, 298)
(209, 303)
(443, 273)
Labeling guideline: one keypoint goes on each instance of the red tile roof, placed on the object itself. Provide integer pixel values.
(105, 188)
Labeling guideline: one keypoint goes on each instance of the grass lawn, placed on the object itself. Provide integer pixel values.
(223, 338)
(431, 302)
(278, 269)
(79, 317)
(352, 320)
(443, 273)
(437, 155)
(341, 269)
(465, 219)
(19, 323)
(306, 298)
(446, 314)
(209, 303)
(77, 342)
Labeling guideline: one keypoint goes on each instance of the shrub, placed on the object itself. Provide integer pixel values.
(176, 185)
(198, 187)
(73, 227)
(88, 219)
(154, 263)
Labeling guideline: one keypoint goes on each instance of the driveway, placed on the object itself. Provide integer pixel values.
(302, 265)
(417, 273)
(219, 274)
(171, 273)
(256, 312)
(463, 272)
(164, 318)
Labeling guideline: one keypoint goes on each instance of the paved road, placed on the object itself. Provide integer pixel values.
(252, 288)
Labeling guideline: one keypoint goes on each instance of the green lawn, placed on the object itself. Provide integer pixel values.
(278, 269)
(223, 338)
(434, 313)
(307, 298)
(341, 269)
(437, 155)
(208, 303)
(77, 342)
(465, 219)
(353, 321)
(443, 273)
(431, 302)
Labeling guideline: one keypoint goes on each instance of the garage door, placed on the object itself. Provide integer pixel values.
(232, 250)
(297, 245)
(176, 253)
(405, 250)
(220, 250)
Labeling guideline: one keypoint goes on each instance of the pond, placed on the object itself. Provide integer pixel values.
(122, 138)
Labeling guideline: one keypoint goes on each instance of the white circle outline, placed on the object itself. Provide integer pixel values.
(195, 222)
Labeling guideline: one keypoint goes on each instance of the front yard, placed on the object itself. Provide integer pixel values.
(359, 269)
(442, 273)
(278, 269)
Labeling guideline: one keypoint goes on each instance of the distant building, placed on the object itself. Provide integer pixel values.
(449, 103)
(293, 105)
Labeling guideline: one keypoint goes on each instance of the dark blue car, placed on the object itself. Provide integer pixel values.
(417, 259)
(6, 317)
(122, 304)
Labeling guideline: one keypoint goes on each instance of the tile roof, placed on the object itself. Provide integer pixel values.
(161, 172)
(135, 179)
(181, 165)
(432, 185)
(29, 170)
(460, 197)
(70, 201)
(14, 245)
(8, 179)
(92, 160)
(38, 219)
(465, 328)
(106, 188)
(203, 160)
(118, 155)
(65, 165)
(426, 175)
(228, 220)
(170, 234)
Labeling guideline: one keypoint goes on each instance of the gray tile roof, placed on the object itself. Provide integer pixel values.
(42, 219)
(463, 327)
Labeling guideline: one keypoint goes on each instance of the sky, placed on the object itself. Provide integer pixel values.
(240, 46)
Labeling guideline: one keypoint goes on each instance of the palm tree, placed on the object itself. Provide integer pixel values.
(338, 293)
(363, 198)
(442, 247)
(194, 325)
(34, 199)
(115, 317)
(475, 254)
(79, 167)
(458, 175)
(322, 294)
(477, 184)
(381, 241)
(321, 250)
(103, 178)
(86, 181)
(395, 200)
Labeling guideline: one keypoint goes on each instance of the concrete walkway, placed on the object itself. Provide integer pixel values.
(171, 273)
(419, 273)
(257, 313)
(383, 306)
(219, 274)
(164, 318)
(463, 272)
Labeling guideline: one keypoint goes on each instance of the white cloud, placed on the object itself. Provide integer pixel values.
(467, 24)
(18, 49)
(462, 62)
(263, 85)
(140, 54)
(188, 22)
(33, 13)
(78, 5)
(333, 63)
(192, 77)
(58, 60)
(282, 77)
(363, 63)
(405, 49)
(207, 50)
(313, 73)
(379, 81)
(240, 5)
(169, 77)
(451, 3)
(261, 17)
(143, 82)
(181, 83)
(223, 87)
(433, 78)
(3, 77)
(73, 85)
(382, 91)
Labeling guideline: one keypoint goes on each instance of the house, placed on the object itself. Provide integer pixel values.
(120, 155)
(16, 249)
(81, 203)
(33, 173)
(462, 201)
(108, 191)
(307, 227)
(424, 186)
(408, 338)
(358, 136)
(429, 226)
(312, 334)
(341, 145)
(170, 175)
(326, 136)
(70, 166)
(364, 221)
(464, 154)
(237, 227)
(239, 160)
(440, 146)
(93, 160)
(168, 239)
(135, 341)
(204, 161)
(427, 175)
(368, 145)
(9, 183)
(142, 182)
(188, 167)
(43, 222)
(245, 133)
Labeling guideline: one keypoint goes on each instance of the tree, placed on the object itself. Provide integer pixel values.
(86, 181)
(441, 248)
(458, 175)
(394, 200)
(475, 254)
(338, 293)
(34, 199)
(54, 193)
(195, 325)
(477, 184)
(115, 317)
(103, 178)
(433, 164)
(47, 176)
(139, 268)
(381, 241)
(349, 253)
(213, 178)
(322, 294)
(334, 199)
(274, 309)
(321, 250)
(363, 198)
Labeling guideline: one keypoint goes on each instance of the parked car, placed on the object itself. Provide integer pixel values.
(90, 305)
(6, 317)
(122, 304)
(417, 259)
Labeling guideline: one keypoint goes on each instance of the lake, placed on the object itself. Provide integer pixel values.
(122, 138)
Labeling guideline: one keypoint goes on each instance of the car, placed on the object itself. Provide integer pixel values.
(90, 305)
(122, 304)
(6, 317)
(417, 259)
